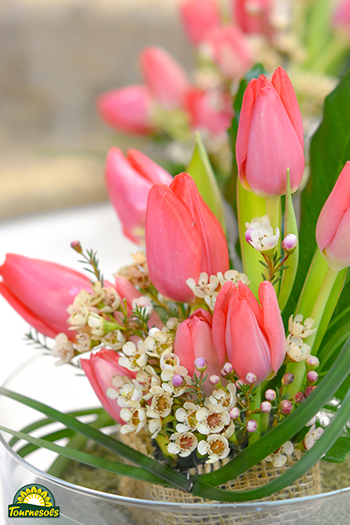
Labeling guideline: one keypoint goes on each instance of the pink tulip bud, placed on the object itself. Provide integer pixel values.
(312, 377)
(333, 225)
(312, 362)
(100, 369)
(199, 17)
(234, 413)
(41, 291)
(127, 109)
(183, 238)
(128, 182)
(299, 397)
(210, 111)
(265, 407)
(253, 16)
(164, 77)
(270, 136)
(230, 51)
(252, 336)
(270, 394)
(286, 406)
(289, 243)
(252, 425)
(194, 344)
(341, 18)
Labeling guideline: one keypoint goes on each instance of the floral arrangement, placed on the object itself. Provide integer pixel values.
(218, 347)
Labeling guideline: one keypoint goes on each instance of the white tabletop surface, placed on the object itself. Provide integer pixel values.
(48, 236)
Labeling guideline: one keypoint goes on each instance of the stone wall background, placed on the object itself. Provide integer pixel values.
(56, 57)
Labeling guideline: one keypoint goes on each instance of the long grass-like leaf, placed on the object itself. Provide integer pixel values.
(168, 474)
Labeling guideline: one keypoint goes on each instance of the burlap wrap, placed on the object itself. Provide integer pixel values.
(260, 474)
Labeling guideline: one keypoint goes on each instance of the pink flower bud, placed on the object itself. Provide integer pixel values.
(289, 243)
(265, 406)
(270, 136)
(250, 378)
(287, 379)
(129, 180)
(200, 364)
(253, 16)
(199, 17)
(76, 246)
(270, 394)
(309, 390)
(177, 380)
(299, 397)
(286, 406)
(214, 379)
(250, 334)
(226, 369)
(234, 413)
(209, 110)
(252, 425)
(312, 362)
(183, 238)
(127, 109)
(333, 225)
(312, 377)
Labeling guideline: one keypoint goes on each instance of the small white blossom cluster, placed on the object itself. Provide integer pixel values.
(260, 234)
(297, 349)
(208, 288)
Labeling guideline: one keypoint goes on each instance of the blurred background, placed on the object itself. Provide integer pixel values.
(56, 57)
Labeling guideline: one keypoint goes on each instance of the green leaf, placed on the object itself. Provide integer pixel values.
(88, 459)
(175, 478)
(285, 430)
(330, 149)
(340, 450)
(201, 171)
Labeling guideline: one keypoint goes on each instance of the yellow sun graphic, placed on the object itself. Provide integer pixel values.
(35, 496)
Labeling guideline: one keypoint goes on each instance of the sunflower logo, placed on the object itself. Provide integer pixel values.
(35, 496)
(33, 501)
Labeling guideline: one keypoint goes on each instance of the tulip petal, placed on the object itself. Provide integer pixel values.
(150, 170)
(273, 325)
(220, 318)
(173, 244)
(285, 90)
(199, 17)
(243, 132)
(214, 252)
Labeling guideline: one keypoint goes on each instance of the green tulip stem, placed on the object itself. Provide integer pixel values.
(312, 285)
(254, 405)
(273, 210)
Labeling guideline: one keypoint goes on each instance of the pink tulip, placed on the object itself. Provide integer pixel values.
(253, 16)
(194, 339)
(41, 291)
(199, 17)
(100, 369)
(126, 290)
(230, 51)
(251, 336)
(270, 136)
(127, 109)
(209, 110)
(341, 18)
(333, 225)
(128, 182)
(183, 238)
(164, 77)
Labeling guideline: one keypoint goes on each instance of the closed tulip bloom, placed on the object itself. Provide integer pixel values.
(199, 17)
(100, 369)
(341, 18)
(194, 339)
(126, 290)
(250, 334)
(41, 291)
(270, 136)
(230, 51)
(165, 78)
(128, 109)
(209, 111)
(333, 225)
(128, 182)
(253, 16)
(183, 238)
